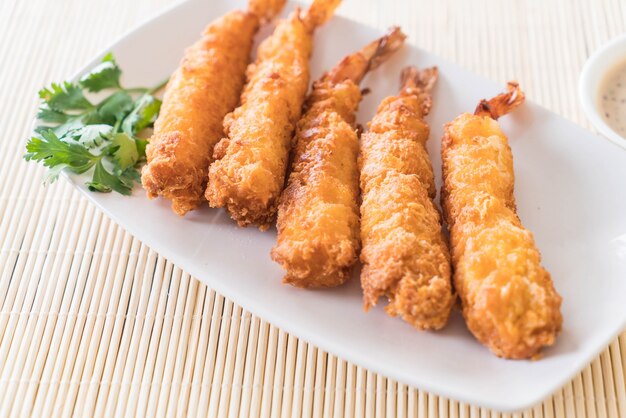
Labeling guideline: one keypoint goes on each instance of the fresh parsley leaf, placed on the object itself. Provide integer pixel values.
(123, 150)
(48, 115)
(143, 115)
(63, 97)
(94, 186)
(115, 108)
(90, 135)
(53, 173)
(105, 182)
(71, 125)
(129, 176)
(52, 151)
(80, 135)
(141, 147)
(105, 75)
(39, 130)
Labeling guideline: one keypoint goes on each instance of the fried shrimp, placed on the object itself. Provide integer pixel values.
(405, 255)
(204, 88)
(318, 216)
(249, 172)
(509, 301)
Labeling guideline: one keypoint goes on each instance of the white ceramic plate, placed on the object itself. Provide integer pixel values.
(570, 191)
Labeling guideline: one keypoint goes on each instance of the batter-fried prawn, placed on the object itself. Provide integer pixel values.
(266, 10)
(405, 256)
(204, 88)
(318, 216)
(509, 301)
(249, 173)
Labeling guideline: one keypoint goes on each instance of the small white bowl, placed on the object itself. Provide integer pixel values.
(593, 73)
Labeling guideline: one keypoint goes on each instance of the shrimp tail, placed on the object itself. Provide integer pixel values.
(354, 67)
(266, 10)
(319, 13)
(502, 103)
(419, 83)
(379, 51)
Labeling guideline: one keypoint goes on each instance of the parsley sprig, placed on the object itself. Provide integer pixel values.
(78, 134)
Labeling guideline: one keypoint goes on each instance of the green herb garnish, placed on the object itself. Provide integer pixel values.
(78, 134)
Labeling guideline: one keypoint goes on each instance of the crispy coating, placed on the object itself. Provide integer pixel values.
(509, 301)
(266, 9)
(204, 88)
(249, 172)
(405, 256)
(318, 216)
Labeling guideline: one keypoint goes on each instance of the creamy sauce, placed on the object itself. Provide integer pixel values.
(612, 98)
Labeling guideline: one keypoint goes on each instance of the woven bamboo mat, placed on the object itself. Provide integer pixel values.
(93, 323)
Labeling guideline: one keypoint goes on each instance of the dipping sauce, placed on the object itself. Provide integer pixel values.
(612, 98)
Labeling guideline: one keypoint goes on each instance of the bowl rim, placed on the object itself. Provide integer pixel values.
(587, 91)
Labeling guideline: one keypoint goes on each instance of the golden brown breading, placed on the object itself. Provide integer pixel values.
(249, 172)
(509, 301)
(405, 256)
(318, 216)
(204, 88)
(266, 10)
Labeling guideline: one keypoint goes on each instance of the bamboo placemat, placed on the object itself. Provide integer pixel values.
(94, 323)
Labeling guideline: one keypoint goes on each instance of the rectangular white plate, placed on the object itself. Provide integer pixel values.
(570, 191)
